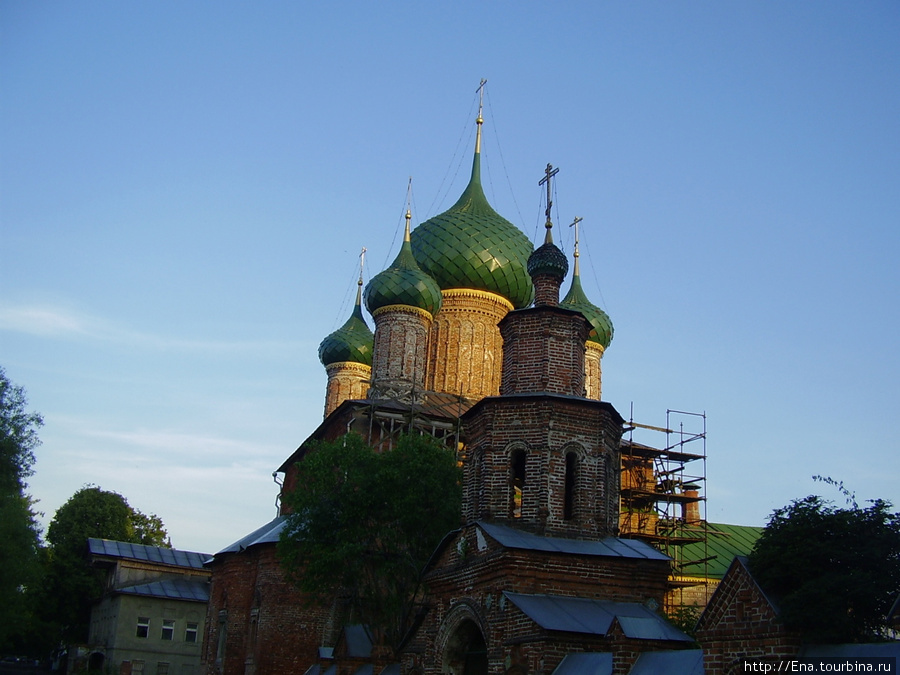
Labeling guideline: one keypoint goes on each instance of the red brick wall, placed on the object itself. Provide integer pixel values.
(739, 623)
(250, 588)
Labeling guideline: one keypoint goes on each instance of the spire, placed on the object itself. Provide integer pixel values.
(577, 270)
(601, 326)
(353, 341)
(479, 120)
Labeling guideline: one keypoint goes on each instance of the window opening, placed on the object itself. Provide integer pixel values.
(143, 627)
(569, 498)
(168, 629)
(518, 481)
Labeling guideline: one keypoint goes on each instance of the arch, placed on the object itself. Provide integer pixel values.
(573, 481)
(461, 642)
(96, 661)
(518, 463)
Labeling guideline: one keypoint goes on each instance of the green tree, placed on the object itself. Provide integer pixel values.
(362, 526)
(19, 530)
(833, 572)
(72, 585)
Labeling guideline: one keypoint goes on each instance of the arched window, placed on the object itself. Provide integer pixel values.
(517, 478)
(569, 495)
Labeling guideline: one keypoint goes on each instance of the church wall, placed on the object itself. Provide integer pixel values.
(269, 625)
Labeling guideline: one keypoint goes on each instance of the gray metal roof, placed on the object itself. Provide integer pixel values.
(267, 534)
(586, 663)
(156, 554)
(609, 546)
(391, 669)
(314, 669)
(681, 662)
(595, 617)
(172, 589)
(357, 641)
(365, 669)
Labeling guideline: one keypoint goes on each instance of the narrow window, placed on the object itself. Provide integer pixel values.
(137, 667)
(143, 627)
(517, 471)
(223, 634)
(569, 499)
(162, 668)
(168, 629)
(190, 632)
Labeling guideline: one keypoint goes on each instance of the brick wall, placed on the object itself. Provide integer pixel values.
(346, 381)
(401, 341)
(740, 624)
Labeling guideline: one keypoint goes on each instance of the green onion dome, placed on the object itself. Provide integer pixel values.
(472, 246)
(601, 325)
(403, 283)
(351, 342)
(548, 259)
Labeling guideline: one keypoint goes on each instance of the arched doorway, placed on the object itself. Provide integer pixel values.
(466, 651)
(95, 662)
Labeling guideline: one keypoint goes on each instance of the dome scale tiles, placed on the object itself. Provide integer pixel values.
(353, 342)
(472, 246)
(601, 325)
(403, 283)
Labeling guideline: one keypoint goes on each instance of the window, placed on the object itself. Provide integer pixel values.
(143, 627)
(162, 668)
(190, 633)
(517, 470)
(137, 667)
(168, 629)
(223, 636)
(569, 498)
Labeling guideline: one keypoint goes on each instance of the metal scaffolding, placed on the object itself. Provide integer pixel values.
(662, 490)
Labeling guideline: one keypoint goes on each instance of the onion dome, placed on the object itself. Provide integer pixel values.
(351, 342)
(548, 259)
(403, 283)
(601, 325)
(472, 246)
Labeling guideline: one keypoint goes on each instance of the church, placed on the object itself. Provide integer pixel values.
(475, 344)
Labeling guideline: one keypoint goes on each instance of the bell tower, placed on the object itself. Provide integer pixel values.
(541, 456)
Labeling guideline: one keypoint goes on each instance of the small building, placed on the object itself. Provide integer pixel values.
(151, 617)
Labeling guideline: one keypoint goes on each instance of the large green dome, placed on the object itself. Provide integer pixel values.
(403, 283)
(351, 342)
(601, 325)
(472, 246)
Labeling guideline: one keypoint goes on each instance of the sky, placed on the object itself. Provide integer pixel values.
(185, 189)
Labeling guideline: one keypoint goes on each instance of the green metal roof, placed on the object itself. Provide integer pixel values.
(472, 246)
(724, 542)
(601, 325)
(548, 259)
(403, 283)
(351, 342)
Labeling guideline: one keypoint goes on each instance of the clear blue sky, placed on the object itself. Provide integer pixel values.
(185, 187)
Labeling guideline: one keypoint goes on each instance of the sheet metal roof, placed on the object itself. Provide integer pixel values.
(157, 554)
(172, 589)
(595, 617)
(358, 641)
(681, 662)
(391, 669)
(586, 663)
(724, 543)
(267, 534)
(610, 546)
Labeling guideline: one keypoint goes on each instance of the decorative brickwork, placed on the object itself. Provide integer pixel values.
(401, 341)
(465, 349)
(346, 381)
(593, 375)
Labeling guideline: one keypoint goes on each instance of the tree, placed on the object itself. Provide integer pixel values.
(72, 585)
(833, 572)
(362, 526)
(19, 530)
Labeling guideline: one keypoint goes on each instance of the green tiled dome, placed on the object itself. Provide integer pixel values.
(548, 259)
(351, 342)
(403, 283)
(601, 326)
(472, 246)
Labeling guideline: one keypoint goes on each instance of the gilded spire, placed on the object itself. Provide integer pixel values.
(479, 120)
(577, 270)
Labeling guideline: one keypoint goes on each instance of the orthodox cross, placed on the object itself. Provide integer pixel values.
(574, 224)
(362, 261)
(549, 172)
